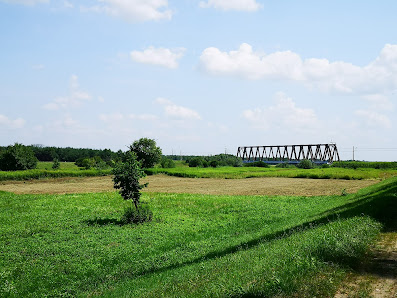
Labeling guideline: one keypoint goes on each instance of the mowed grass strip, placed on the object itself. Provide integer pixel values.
(197, 245)
(250, 172)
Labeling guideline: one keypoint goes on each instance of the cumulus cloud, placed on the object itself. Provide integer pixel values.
(114, 117)
(9, 123)
(25, 2)
(143, 117)
(379, 102)
(117, 117)
(374, 119)
(379, 76)
(283, 114)
(74, 99)
(239, 5)
(134, 10)
(159, 56)
(177, 112)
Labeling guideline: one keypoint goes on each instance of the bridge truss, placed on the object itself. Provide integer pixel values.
(290, 153)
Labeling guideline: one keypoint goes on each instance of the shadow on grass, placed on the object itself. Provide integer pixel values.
(103, 222)
(379, 202)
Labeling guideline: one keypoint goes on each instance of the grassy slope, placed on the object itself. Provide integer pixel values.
(196, 246)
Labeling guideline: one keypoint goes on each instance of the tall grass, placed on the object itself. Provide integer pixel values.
(196, 245)
(365, 165)
(40, 174)
(250, 172)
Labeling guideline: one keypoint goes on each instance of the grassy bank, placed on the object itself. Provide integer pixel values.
(197, 245)
(249, 172)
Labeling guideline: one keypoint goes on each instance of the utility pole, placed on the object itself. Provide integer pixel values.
(353, 153)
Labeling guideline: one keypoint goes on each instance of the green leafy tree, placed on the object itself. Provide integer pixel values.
(17, 157)
(146, 152)
(127, 173)
(56, 165)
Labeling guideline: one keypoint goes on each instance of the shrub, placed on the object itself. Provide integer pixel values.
(17, 158)
(226, 160)
(167, 162)
(213, 163)
(284, 165)
(56, 165)
(196, 162)
(305, 164)
(137, 215)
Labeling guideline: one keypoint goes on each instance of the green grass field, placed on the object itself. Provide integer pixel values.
(67, 169)
(47, 165)
(249, 172)
(197, 245)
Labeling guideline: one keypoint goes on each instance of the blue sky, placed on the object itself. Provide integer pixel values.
(200, 77)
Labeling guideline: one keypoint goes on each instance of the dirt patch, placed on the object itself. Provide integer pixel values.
(163, 183)
(377, 276)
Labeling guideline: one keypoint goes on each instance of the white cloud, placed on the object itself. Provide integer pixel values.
(379, 76)
(115, 117)
(74, 99)
(13, 124)
(159, 56)
(25, 2)
(379, 102)
(67, 4)
(143, 117)
(240, 5)
(134, 10)
(374, 119)
(177, 112)
(284, 114)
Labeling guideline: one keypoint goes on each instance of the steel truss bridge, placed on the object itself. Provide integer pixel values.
(318, 153)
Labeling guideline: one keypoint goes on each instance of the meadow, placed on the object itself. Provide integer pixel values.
(197, 245)
(68, 169)
(251, 172)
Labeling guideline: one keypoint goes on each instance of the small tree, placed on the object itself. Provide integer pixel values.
(55, 164)
(126, 178)
(146, 152)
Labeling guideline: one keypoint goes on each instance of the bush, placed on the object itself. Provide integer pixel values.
(56, 165)
(213, 163)
(196, 162)
(137, 215)
(226, 160)
(305, 164)
(167, 162)
(17, 158)
(284, 165)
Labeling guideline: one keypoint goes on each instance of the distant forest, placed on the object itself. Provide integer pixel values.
(69, 154)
